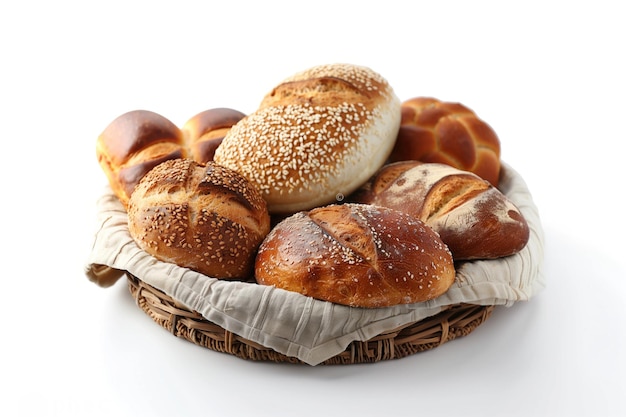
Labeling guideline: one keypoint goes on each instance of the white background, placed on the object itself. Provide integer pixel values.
(548, 76)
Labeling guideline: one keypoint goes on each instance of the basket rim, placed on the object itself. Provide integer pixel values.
(453, 322)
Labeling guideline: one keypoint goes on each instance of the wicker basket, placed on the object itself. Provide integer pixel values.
(114, 255)
(456, 321)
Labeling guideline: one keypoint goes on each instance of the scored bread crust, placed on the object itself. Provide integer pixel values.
(316, 137)
(472, 217)
(357, 255)
(206, 218)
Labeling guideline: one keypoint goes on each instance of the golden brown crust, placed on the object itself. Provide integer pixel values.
(447, 133)
(472, 217)
(315, 137)
(206, 218)
(137, 141)
(134, 143)
(357, 255)
(205, 131)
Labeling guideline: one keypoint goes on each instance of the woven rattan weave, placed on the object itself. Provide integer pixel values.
(456, 321)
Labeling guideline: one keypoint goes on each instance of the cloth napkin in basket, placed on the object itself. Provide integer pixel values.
(299, 326)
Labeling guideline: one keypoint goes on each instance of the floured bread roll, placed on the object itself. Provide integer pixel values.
(472, 217)
(356, 254)
(206, 218)
(316, 137)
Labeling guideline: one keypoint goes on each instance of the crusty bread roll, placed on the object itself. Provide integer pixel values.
(205, 131)
(206, 218)
(137, 141)
(448, 133)
(133, 144)
(316, 137)
(472, 217)
(357, 255)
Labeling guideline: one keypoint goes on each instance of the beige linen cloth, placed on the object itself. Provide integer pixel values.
(299, 326)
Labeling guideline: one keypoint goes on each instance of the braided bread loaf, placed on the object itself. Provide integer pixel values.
(448, 133)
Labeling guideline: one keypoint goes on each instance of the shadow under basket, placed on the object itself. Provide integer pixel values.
(456, 321)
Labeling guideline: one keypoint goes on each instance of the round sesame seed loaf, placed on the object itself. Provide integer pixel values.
(316, 137)
(206, 218)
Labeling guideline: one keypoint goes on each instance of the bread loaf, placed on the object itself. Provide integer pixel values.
(205, 131)
(206, 218)
(316, 137)
(357, 255)
(133, 144)
(137, 141)
(448, 133)
(472, 217)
